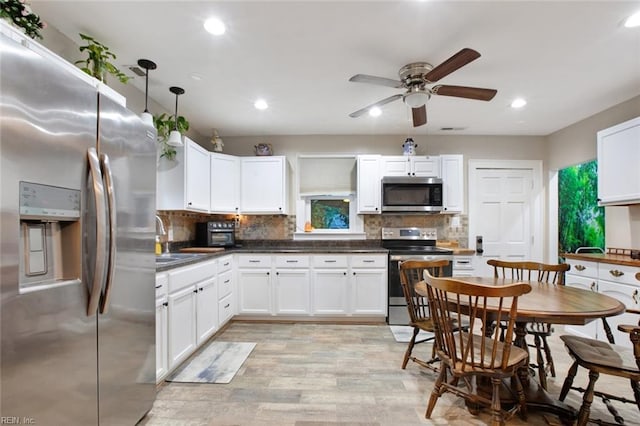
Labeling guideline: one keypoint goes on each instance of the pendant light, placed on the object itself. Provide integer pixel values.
(175, 138)
(147, 65)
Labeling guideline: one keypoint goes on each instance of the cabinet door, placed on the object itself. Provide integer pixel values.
(197, 179)
(452, 183)
(225, 183)
(330, 291)
(182, 325)
(292, 291)
(618, 159)
(206, 309)
(630, 296)
(425, 166)
(585, 283)
(369, 292)
(162, 365)
(368, 186)
(254, 291)
(395, 165)
(263, 185)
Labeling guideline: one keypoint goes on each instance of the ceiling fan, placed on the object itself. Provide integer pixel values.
(416, 76)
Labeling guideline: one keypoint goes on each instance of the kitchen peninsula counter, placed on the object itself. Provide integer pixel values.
(615, 259)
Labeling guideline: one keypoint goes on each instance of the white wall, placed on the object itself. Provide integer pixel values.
(576, 144)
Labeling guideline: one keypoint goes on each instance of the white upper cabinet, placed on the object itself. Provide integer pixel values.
(225, 183)
(263, 185)
(452, 183)
(618, 164)
(410, 165)
(184, 182)
(368, 184)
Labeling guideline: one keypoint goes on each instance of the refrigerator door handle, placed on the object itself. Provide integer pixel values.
(101, 226)
(111, 205)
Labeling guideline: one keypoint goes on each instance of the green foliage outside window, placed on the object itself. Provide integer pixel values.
(329, 214)
(580, 220)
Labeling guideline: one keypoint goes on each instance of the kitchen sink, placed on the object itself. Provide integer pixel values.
(174, 258)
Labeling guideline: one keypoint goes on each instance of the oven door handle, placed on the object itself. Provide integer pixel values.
(403, 257)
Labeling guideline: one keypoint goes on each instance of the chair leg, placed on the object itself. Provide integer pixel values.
(542, 374)
(587, 399)
(437, 391)
(412, 343)
(547, 352)
(635, 386)
(496, 409)
(522, 401)
(566, 386)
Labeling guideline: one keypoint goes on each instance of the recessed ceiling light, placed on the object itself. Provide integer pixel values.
(261, 104)
(633, 20)
(214, 26)
(196, 76)
(375, 111)
(518, 103)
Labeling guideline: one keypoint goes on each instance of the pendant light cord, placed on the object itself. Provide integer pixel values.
(176, 112)
(146, 90)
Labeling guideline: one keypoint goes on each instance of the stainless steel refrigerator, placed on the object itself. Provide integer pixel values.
(77, 193)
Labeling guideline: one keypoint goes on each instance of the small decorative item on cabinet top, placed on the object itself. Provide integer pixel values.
(263, 149)
(409, 147)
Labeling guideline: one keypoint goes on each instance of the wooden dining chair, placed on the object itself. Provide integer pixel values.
(469, 356)
(542, 273)
(604, 358)
(411, 272)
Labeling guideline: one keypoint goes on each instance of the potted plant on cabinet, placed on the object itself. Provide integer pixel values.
(98, 63)
(164, 125)
(18, 13)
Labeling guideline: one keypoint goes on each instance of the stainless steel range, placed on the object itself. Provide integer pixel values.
(408, 244)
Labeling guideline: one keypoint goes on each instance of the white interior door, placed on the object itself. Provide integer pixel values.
(505, 209)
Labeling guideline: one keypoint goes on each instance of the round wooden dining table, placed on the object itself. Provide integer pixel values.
(553, 304)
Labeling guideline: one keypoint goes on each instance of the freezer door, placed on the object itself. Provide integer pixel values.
(126, 324)
(48, 359)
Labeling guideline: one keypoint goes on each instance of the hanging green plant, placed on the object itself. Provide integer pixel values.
(164, 125)
(18, 12)
(98, 62)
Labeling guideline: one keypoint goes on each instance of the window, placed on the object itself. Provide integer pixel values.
(330, 213)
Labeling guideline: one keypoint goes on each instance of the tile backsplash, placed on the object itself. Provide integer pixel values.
(279, 227)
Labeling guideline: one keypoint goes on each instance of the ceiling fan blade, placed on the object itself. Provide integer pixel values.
(455, 62)
(359, 112)
(465, 92)
(372, 79)
(419, 115)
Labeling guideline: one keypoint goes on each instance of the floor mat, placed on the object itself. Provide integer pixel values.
(403, 333)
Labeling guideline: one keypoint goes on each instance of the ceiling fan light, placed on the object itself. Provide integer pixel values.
(375, 111)
(175, 138)
(416, 99)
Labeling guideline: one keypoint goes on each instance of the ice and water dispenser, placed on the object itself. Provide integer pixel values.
(50, 236)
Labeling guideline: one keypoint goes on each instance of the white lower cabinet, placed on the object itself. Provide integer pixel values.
(463, 266)
(162, 355)
(254, 284)
(182, 324)
(206, 309)
(627, 294)
(369, 285)
(585, 283)
(291, 285)
(330, 285)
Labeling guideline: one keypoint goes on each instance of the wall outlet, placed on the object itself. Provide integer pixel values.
(170, 234)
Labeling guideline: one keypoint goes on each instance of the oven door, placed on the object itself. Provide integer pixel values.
(221, 239)
(398, 314)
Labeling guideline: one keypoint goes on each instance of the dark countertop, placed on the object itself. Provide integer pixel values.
(616, 259)
(303, 247)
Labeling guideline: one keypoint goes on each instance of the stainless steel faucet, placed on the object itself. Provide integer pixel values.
(160, 230)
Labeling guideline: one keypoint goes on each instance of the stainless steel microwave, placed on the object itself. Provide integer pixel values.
(411, 194)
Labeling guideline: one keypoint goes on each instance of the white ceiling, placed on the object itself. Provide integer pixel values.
(569, 59)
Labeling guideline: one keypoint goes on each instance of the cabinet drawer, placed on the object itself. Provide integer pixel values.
(162, 285)
(462, 263)
(368, 261)
(618, 274)
(225, 309)
(295, 261)
(225, 284)
(225, 263)
(254, 261)
(181, 277)
(329, 261)
(583, 268)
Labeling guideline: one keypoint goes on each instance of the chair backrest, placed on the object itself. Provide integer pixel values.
(411, 272)
(529, 271)
(453, 302)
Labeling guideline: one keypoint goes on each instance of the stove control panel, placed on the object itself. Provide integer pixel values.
(409, 234)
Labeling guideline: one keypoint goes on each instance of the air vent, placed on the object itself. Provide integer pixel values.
(452, 129)
(136, 70)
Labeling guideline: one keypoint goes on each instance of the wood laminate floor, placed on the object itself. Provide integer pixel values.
(326, 374)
